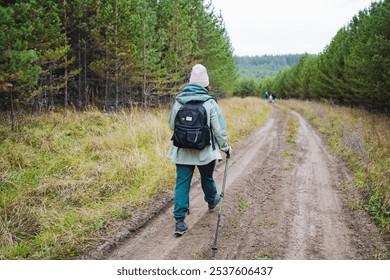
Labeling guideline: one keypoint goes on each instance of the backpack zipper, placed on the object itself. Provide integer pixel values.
(196, 138)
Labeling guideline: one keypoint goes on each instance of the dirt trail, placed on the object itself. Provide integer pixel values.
(281, 202)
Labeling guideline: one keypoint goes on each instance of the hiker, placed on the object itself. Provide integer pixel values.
(266, 96)
(273, 97)
(205, 158)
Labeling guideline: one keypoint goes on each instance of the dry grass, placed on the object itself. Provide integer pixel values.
(75, 171)
(292, 124)
(66, 177)
(243, 115)
(292, 129)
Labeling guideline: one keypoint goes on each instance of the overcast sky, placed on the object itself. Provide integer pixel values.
(259, 27)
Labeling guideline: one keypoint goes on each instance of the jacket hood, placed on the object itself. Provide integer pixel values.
(193, 92)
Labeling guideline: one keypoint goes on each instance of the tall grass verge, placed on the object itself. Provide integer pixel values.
(292, 129)
(243, 115)
(362, 140)
(66, 177)
(68, 174)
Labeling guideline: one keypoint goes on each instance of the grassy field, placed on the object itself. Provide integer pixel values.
(66, 177)
(362, 140)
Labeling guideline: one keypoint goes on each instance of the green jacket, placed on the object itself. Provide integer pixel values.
(215, 120)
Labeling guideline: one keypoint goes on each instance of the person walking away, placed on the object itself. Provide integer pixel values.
(270, 98)
(266, 96)
(273, 97)
(204, 158)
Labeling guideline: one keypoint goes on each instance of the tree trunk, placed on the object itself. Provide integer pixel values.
(65, 21)
(144, 78)
(13, 117)
(85, 74)
(66, 84)
(79, 102)
(106, 92)
(145, 95)
(116, 58)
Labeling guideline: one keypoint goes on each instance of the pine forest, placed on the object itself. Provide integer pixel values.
(354, 69)
(107, 54)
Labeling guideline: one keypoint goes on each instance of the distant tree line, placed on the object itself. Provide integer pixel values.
(108, 53)
(354, 69)
(259, 68)
(257, 72)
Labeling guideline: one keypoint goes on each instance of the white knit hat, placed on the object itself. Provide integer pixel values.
(199, 75)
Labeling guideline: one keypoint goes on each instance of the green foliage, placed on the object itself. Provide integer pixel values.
(243, 204)
(246, 87)
(108, 53)
(353, 69)
(18, 71)
(261, 67)
(263, 255)
(257, 74)
(175, 21)
(214, 48)
(289, 154)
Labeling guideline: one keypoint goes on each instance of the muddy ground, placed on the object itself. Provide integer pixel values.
(281, 201)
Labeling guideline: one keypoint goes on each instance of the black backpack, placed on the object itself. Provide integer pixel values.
(191, 130)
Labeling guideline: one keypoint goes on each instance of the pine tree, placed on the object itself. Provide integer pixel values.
(367, 66)
(50, 42)
(106, 40)
(112, 52)
(18, 72)
(213, 47)
(149, 41)
(174, 21)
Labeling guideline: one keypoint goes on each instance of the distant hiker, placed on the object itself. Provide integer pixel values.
(266, 96)
(272, 98)
(203, 147)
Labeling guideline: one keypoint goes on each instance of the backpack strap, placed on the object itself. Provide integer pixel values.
(212, 137)
(211, 129)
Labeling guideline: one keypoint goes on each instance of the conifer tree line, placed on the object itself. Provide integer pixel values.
(107, 53)
(354, 69)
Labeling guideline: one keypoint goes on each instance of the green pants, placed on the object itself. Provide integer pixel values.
(184, 175)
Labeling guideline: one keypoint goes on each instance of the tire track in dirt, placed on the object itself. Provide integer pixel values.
(275, 206)
(318, 228)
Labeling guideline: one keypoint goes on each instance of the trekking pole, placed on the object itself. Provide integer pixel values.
(214, 248)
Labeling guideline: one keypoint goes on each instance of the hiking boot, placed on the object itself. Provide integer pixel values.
(181, 228)
(215, 202)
